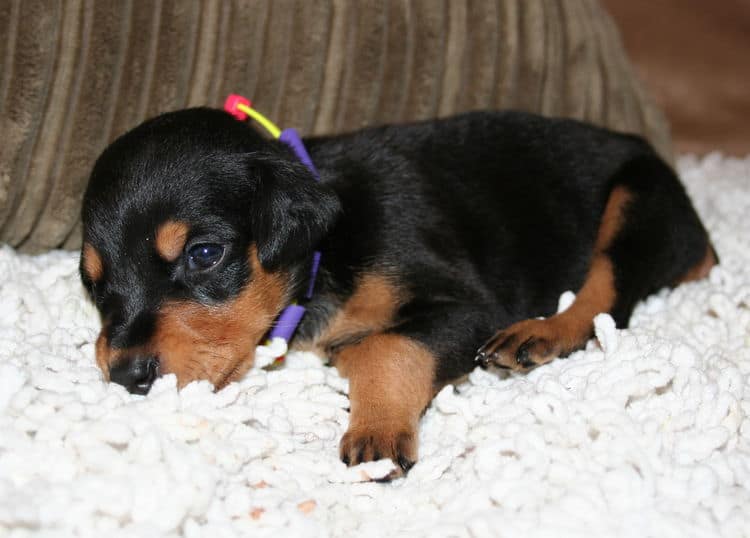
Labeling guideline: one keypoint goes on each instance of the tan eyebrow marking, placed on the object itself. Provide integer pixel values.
(91, 262)
(170, 239)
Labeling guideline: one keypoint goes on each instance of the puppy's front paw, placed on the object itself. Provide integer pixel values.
(372, 443)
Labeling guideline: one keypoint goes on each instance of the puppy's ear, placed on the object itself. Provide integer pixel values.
(292, 212)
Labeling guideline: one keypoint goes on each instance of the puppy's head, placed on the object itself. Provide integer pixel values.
(197, 232)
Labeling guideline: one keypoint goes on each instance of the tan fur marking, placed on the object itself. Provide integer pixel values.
(170, 239)
(91, 262)
(702, 268)
(216, 343)
(612, 217)
(371, 308)
(103, 352)
(596, 296)
(390, 385)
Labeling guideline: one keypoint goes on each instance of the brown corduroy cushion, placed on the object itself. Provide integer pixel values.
(76, 74)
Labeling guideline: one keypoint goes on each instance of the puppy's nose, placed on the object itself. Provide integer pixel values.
(136, 373)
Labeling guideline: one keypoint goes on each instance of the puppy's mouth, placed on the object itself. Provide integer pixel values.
(137, 370)
(191, 341)
(198, 341)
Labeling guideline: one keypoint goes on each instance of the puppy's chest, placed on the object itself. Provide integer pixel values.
(371, 308)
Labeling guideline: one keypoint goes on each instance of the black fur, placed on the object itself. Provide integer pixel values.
(483, 218)
(487, 217)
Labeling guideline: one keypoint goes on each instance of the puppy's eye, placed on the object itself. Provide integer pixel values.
(204, 256)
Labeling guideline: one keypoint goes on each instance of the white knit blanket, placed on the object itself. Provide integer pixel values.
(645, 433)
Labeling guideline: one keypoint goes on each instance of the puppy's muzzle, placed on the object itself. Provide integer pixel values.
(136, 373)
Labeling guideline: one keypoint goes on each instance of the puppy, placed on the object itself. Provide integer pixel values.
(436, 237)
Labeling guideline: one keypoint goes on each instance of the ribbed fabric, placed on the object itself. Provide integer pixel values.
(75, 74)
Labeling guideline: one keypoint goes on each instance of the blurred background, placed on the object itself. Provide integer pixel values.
(694, 58)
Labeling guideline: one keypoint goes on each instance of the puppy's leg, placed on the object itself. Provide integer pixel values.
(391, 382)
(649, 237)
(532, 342)
(393, 376)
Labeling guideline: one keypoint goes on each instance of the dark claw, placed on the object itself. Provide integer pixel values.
(346, 459)
(360, 455)
(481, 359)
(405, 463)
(528, 364)
(522, 355)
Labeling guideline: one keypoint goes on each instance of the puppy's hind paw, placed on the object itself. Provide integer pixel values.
(529, 343)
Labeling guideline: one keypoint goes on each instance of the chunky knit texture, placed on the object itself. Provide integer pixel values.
(645, 433)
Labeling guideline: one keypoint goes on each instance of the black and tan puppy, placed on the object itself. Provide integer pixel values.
(436, 237)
